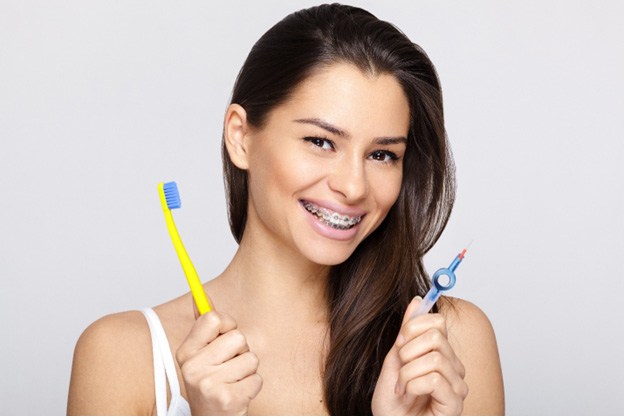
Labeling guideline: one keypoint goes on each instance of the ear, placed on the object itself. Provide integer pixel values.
(236, 135)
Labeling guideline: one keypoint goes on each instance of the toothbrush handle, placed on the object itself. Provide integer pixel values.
(197, 289)
(427, 303)
(455, 262)
(438, 287)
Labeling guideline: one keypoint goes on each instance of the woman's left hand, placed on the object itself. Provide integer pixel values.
(421, 374)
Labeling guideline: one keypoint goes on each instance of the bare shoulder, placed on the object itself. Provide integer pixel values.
(473, 339)
(112, 368)
(464, 316)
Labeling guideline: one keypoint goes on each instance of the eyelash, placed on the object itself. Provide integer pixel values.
(320, 142)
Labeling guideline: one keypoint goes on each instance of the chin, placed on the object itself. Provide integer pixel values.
(328, 255)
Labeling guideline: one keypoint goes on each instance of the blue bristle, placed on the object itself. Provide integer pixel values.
(172, 195)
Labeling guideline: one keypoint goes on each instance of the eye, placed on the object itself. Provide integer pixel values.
(325, 144)
(384, 156)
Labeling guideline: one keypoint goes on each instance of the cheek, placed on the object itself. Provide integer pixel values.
(278, 173)
(386, 189)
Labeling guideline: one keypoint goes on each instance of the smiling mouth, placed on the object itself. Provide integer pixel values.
(331, 218)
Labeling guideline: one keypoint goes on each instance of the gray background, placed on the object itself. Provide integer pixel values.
(101, 100)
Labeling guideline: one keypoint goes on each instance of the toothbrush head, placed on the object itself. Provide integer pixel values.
(172, 196)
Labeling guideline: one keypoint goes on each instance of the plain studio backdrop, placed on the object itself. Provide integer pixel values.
(101, 100)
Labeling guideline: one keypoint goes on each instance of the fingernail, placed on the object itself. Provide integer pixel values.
(418, 297)
(400, 340)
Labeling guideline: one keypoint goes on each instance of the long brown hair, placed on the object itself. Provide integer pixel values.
(369, 292)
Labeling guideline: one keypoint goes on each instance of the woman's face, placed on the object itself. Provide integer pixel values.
(326, 167)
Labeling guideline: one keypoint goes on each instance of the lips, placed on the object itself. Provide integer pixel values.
(344, 219)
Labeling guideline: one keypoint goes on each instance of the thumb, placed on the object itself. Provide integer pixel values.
(195, 310)
(411, 308)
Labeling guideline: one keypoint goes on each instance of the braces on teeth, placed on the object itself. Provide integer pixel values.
(331, 218)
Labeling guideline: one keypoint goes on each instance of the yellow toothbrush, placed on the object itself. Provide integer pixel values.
(170, 199)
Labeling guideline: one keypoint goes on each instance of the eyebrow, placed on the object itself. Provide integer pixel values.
(385, 140)
(324, 125)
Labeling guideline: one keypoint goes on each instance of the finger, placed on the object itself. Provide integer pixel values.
(431, 341)
(433, 362)
(435, 385)
(416, 326)
(249, 386)
(204, 331)
(195, 310)
(411, 308)
(225, 347)
(239, 368)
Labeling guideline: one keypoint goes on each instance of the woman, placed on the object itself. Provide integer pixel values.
(339, 180)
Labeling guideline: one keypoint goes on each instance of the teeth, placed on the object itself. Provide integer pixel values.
(331, 218)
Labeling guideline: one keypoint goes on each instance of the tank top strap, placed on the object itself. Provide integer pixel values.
(164, 366)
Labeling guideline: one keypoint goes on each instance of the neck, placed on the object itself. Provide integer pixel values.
(270, 283)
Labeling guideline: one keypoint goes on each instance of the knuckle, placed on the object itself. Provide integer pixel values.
(404, 354)
(464, 390)
(254, 360)
(436, 379)
(180, 355)
(435, 337)
(212, 319)
(462, 370)
(436, 358)
(259, 382)
(225, 399)
(190, 372)
(185, 369)
(411, 328)
(412, 387)
(439, 321)
(205, 385)
(238, 338)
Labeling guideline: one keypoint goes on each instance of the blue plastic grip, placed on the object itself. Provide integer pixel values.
(436, 279)
(449, 272)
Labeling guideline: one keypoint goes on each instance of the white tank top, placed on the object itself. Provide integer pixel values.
(164, 369)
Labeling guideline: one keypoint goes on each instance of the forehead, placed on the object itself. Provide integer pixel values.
(363, 104)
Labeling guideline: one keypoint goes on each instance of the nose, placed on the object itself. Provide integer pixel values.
(348, 178)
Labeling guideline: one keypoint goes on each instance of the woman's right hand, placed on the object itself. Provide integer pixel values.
(218, 369)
